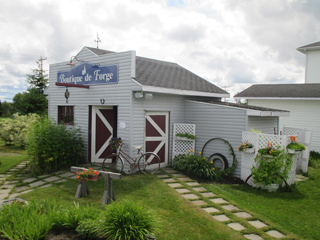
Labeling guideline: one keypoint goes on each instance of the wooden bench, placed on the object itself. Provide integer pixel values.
(108, 194)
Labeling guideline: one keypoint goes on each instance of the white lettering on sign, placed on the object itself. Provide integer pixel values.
(88, 78)
(105, 76)
(71, 79)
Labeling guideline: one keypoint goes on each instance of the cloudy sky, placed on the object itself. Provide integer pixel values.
(231, 43)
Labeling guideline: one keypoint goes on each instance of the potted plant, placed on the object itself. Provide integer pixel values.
(185, 136)
(272, 167)
(88, 174)
(294, 146)
(115, 143)
(246, 147)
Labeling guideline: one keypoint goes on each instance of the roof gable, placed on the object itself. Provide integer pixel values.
(156, 73)
(312, 46)
(307, 90)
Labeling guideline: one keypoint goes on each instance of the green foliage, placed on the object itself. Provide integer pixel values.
(39, 78)
(244, 146)
(271, 169)
(6, 109)
(30, 101)
(52, 147)
(186, 135)
(315, 159)
(15, 131)
(88, 228)
(271, 149)
(126, 220)
(296, 146)
(196, 166)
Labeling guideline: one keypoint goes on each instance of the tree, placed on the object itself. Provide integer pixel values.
(39, 78)
(30, 101)
(6, 109)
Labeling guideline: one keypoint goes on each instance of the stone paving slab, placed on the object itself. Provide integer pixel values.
(208, 194)
(60, 172)
(162, 176)
(193, 183)
(47, 185)
(182, 190)
(229, 207)
(11, 182)
(170, 180)
(4, 191)
(221, 218)
(211, 209)
(6, 186)
(243, 215)
(1, 179)
(60, 181)
(177, 174)
(257, 224)
(26, 191)
(199, 189)
(199, 202)
(236, 226)
(252, 237)
(218, 200)
(14, 195)
(43, 176)
(36, 184)
(29, 180)
(18, 189)
(175, 185)
(185, 179)
(51, 179)
(67, 174)
(275, 234)
(190, 196)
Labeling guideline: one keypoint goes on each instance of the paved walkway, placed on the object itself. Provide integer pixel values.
(16, 182)
(220, 209)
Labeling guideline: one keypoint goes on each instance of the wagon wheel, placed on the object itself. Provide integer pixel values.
(226, 142)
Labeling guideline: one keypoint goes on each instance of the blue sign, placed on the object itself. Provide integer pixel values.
(90, 74)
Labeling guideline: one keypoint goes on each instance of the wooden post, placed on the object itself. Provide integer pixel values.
(108, 194)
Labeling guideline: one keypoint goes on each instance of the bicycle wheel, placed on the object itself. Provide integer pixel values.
(149, 162)
(113, 163)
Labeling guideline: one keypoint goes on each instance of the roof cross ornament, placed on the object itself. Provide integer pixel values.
(97, 41)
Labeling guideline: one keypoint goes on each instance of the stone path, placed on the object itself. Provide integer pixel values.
(221, 210)
(16, 182)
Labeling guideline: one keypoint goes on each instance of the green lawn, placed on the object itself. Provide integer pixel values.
(296, 211)
(177, 218)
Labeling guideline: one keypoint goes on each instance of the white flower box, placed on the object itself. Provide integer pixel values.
(183, 139)
(249, 150)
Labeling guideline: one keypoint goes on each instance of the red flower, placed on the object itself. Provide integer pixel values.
(87, 179)
(83, 170)
(77, 173)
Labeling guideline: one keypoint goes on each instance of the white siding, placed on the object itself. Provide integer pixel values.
(114, 94)
(214, 121)
(173, 104)
(267, 125)
(303, 114)
(312, 67)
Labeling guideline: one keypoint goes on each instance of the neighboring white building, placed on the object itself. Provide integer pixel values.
(302, 100)
(139, 99)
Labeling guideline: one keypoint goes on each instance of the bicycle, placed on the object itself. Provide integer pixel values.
(147, 162)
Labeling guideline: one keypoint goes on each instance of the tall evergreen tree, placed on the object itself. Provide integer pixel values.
(39, 78)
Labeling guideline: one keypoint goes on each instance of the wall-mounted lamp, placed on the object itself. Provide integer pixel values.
(72, 58)
(67, 95)
(148, 96)
(138, 95)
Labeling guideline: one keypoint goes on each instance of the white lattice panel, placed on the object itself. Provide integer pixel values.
(182, 146)
(304, 137)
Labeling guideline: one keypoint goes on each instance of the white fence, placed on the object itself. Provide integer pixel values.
(260, 141)
(182, 146)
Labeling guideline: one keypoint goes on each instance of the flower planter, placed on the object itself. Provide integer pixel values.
(94, 178)
(293, 151)
(249, 150)
(184, 138)
(268, 156)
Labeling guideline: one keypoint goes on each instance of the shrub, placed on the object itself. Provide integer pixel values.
(52, 147)
(196, 166)
(15, 130)
(88, 228)
(126, 220)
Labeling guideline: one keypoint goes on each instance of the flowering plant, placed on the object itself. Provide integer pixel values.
(115, 143)
(244, 146)
(86, 174)
(294, 145)
(271, 149)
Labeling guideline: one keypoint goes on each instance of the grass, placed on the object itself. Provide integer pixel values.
(177, 218)
(9, 161)
(295, 211)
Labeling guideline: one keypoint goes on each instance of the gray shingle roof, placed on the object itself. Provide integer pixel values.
(307, 90)
(316, 44)
(156, 73)
(245, 106)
